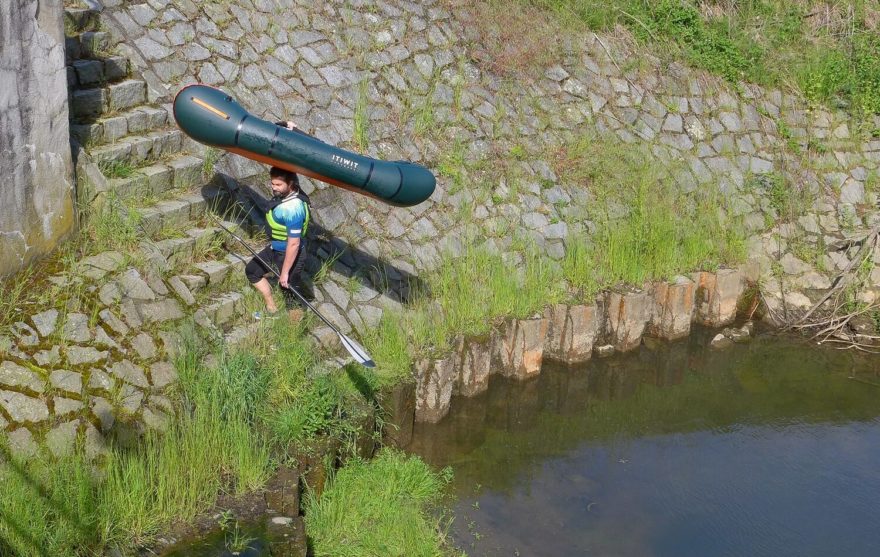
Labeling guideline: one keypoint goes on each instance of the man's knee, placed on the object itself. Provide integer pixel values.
(254, 271)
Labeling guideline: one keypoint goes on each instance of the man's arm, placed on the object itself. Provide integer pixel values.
(289, 258)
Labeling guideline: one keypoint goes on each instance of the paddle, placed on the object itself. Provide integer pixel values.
(356, 350)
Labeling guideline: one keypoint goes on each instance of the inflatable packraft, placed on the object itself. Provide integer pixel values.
(214, 118)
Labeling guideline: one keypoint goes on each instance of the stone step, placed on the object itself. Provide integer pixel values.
(216, 271)
(181, 173)
(181, 210)
(84, 74)
(181, 251)
(221, 310)
(88, 104)
(113, 128)
(79, 20)
(136, 150)
(87, 45)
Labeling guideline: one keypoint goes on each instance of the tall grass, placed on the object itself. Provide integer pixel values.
(646, 228)
(214, 444)
(47, 509)
(464, 295)
(380, 507)
(178, 475)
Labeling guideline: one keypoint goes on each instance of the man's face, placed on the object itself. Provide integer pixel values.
(280, 187)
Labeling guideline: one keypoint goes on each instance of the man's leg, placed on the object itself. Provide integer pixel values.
(256, 271)
(264, 288)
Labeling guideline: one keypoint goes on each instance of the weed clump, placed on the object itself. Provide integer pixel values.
(380, 507)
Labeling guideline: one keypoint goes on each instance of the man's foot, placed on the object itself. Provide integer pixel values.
(265, 315)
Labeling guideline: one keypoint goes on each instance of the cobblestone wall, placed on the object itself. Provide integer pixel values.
(296, 60)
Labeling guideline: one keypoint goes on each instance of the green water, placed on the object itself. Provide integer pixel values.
(768, 448)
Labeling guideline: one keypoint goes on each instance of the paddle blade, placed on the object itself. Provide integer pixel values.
(357, 351)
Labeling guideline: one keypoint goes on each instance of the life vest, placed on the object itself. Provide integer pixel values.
(277, 230)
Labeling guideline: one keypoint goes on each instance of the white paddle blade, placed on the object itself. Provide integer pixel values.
(357, 351)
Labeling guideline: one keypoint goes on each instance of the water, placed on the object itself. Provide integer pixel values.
(769, 448)
(247, 540)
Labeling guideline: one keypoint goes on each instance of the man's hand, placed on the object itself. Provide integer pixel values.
(291, 126)
(284, 281)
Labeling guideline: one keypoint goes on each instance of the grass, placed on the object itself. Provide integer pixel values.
(228, 427)
(465, 294)
(362, 117)
(645, 227)
(117, 168)
(47, 509)
(830, 51)
(380, 507)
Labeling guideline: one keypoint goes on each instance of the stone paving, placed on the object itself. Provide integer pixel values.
(404, 68)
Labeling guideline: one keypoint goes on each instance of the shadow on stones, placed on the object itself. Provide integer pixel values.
(361, 383)
(247, 205)
(66, 513)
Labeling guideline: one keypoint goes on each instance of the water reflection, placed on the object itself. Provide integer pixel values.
(765, 449)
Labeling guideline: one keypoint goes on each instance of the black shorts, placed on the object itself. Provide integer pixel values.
(256, 269)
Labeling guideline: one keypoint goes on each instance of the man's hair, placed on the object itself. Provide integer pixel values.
(290, 177)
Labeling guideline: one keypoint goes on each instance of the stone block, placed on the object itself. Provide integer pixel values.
(159, 178)
(129, 373)
(162, 374)
(76, 329)
(64, 406)
(187, 171)
(115, 324)
(717, 296)
(182, 291)
(222, 310)
(399, 407)
(19, 377)
(48, 358)
(103, 411)
(673, 308)
(87, 103)
(80, 355)
(571, 332)
(434, 383)
(474, 366)
(100, 381)
(127, 94)
(519, 347)
(160, 311)
(25, 334)
(282, 492)
(45, 322)
(144, 346)
(65, 380)
(22, 408)
(22, 444)
(627, 316)
(216, 271)
(62, 438)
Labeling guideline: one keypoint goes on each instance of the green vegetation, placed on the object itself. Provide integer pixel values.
(830, 51)
(646, 228)
(464, 296)
(235, 422)
(117, 168)
(362, 117)
(380, 507)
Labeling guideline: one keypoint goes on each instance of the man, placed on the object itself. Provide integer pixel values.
(288, 218)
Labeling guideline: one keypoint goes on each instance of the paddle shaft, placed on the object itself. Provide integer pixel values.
(277, 274)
